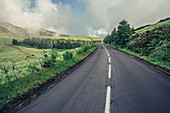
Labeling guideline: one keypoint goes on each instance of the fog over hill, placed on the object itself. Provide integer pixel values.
(13, 30)
(82, 17)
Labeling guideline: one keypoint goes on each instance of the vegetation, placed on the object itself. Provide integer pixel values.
(46, 43)
(76, 38)
(151, 43)
(120, 37)
(154, 26)
(67, 55)
(19, 73)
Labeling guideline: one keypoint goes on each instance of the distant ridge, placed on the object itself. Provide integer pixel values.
(163, 20)
(7, 29)
(14, 29)
(4, 31)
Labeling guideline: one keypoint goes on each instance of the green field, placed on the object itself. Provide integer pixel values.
(76, 38)
(29, 71)
(9, 55)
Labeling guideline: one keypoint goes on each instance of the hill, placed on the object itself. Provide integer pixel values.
(153, 42)
(149, 42)
(145, 28)
(14, 29)
(6, 32)
(7, 29)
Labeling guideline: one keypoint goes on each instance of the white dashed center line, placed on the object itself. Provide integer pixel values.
(109, 74)
(107, 105)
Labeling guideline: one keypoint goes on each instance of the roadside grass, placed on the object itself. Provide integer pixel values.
(29, 77)
(149, 58)
(10, 55)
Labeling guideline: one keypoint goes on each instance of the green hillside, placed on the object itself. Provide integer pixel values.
(154, 26)
(151, 43)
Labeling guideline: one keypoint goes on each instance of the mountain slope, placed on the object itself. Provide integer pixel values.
(145, 28)
(149, 42)
(4, 31)
(153, 42)
(7, 29)
(14, 29)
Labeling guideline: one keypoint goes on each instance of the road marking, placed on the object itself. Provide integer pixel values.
(109, 60)
(107, 53)
(109, 74)
(107, 105)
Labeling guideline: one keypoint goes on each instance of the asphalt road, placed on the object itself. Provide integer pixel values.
(108, 82)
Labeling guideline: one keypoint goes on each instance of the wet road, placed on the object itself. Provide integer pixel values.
(108, 82)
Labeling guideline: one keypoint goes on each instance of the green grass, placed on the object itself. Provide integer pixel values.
(147, 58)
(9, 55)
(157, 25)
(28, 78)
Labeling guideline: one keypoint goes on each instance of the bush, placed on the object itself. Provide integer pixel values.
(50, 61)
(15, 42)
(54, 54)
(80, 51)
(67, 55)
(85, 48)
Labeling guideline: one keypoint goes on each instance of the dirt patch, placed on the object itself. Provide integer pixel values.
(25, 53)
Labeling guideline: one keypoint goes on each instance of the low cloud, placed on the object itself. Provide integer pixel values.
(99, 16)
(107, 14)
(43, 14)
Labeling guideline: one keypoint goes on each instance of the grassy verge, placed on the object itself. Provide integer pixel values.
(155, 62)
(32, 78)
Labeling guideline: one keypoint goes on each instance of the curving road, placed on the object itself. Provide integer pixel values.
(108, 82)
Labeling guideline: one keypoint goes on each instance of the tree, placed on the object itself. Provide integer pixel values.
(114, 36)
(124, 32)
(133, 30)
(15, 42)
(107, 39)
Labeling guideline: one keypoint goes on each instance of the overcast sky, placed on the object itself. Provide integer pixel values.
(82, 17)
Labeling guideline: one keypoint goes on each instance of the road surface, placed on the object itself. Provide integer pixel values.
(108, 82)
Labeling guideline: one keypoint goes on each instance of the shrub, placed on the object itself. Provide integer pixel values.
(15, 42)
(50, 61)
(67, 55)
(85, 48)
(80, 51)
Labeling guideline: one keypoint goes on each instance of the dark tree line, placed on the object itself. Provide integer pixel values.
(121, 35)
(46, 43)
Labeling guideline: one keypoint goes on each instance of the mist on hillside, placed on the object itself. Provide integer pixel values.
(97, 19)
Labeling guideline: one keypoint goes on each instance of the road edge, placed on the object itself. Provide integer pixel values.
(32, 94)
(153, 66)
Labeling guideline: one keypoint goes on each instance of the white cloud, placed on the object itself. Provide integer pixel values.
(99, 32)
(45, 14)
(108, 13)
(100, 14)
